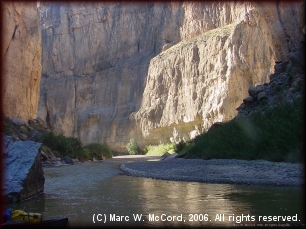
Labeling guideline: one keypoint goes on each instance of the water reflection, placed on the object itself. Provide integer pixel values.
(82, 190)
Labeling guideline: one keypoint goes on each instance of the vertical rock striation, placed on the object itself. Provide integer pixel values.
(155, 71)
(95, 60)
(21, 55)
(202, 80)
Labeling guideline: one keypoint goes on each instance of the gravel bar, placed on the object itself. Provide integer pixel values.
(226, 171)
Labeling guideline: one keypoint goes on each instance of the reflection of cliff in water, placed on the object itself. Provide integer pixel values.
(79, 191)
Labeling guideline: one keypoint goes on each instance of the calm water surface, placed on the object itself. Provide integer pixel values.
(79, 191)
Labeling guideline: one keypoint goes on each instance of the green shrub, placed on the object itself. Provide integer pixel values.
(145, 149)
(274, 135)
(57, 154)
(46, 149)
(97, 150)
(8, 130)
(159, 150)
(70, 146)
(132, 147)
(84, 155)
(180, 146)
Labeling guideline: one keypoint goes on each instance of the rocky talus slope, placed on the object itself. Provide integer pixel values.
(157, 71)
(24, 134)
(286, 84)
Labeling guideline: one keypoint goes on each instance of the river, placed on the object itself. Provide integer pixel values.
(97, 194)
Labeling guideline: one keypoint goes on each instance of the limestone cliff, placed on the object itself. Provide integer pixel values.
(95, 61)
(155, 71)
(21, 55)
(201, 81)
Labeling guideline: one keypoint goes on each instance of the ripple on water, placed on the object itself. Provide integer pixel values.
(79, 191)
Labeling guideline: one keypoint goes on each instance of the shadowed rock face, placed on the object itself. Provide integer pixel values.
(21, 55)
(155, 71)
(24, 175)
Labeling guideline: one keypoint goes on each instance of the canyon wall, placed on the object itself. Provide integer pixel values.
(21, 56)
(157, 71)
(203, 80)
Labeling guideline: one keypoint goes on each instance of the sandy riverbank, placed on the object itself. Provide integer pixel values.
(232, 171)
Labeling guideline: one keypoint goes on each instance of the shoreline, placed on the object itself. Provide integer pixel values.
(223, 171)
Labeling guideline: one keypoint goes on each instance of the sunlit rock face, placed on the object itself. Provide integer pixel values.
(159, 71)
(200, 81)
(21, 55)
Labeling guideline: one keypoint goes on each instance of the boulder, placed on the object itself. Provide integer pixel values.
(34, 135)
(280, 67)
(38, 124)
(254, 91)
(297, 59)
(57, 163)
(248, 100)
(23, 171)
(17, 121)
(47, 164)
(171, 156)
(22, 137)
(75, 161)
(165, 155)
(68, 160)
(44, 156)
(261, 95)
(272, 77)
